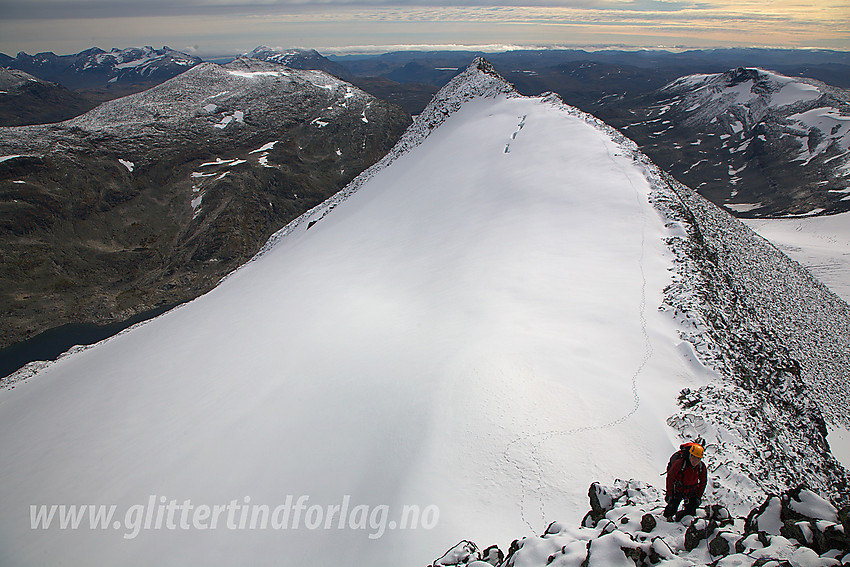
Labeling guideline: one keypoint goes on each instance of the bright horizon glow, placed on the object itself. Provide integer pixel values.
(208, 28)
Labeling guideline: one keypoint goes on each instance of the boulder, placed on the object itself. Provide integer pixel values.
(699, 530)
(516, 545)
(812, 521)
(719, 546)
(844, 518)
(803, 504)
(648, 523)
(766, 518)
(720, 515)
(462, 554)
(602, 500)
(493, 555)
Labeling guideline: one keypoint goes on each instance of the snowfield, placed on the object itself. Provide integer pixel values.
(474, 331)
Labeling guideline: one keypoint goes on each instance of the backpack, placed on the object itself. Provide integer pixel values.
(682, 454)
(684, 450)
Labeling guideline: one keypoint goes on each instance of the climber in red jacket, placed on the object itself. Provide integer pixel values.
(686, 480)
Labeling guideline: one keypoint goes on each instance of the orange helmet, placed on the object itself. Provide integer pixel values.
(696, 450)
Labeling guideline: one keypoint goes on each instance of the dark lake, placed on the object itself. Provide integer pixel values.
(53, 342)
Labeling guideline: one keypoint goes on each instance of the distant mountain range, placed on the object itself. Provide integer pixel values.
(791, 128)
(96, 68)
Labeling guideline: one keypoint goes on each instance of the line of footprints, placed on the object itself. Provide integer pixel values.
(513, 136)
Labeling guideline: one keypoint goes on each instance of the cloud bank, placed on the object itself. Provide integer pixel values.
(230, 26)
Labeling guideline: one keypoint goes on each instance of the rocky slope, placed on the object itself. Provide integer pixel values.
(25, 99)
(760, 143)
(150, 199)
(780, 341)
(625, 528)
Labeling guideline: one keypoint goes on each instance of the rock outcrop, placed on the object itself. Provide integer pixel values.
(625, 528)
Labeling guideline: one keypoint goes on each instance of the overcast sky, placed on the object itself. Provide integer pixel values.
(211, 27)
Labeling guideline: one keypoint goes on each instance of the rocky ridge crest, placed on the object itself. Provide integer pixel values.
(625, 528)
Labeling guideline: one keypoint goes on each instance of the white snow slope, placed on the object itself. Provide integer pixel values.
(474, 331)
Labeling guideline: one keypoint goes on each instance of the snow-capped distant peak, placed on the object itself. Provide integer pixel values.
(284, 56)
(745, 86)
(265, 50)
(740, 101)
(307, 59)
(142, 61)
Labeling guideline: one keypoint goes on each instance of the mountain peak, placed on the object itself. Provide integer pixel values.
(481, 66)
(770, 126)
(90, 51)
(479, 79)
(484, 66)
(741, 74)
(296, 58)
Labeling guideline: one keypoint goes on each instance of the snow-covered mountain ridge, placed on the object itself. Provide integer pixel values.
(785, 356)
(479, 317)
(779, 337)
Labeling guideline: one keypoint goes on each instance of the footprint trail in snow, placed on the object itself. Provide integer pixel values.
(535, 441)
(514, 135)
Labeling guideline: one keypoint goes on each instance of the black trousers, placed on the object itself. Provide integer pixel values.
(690, 509)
